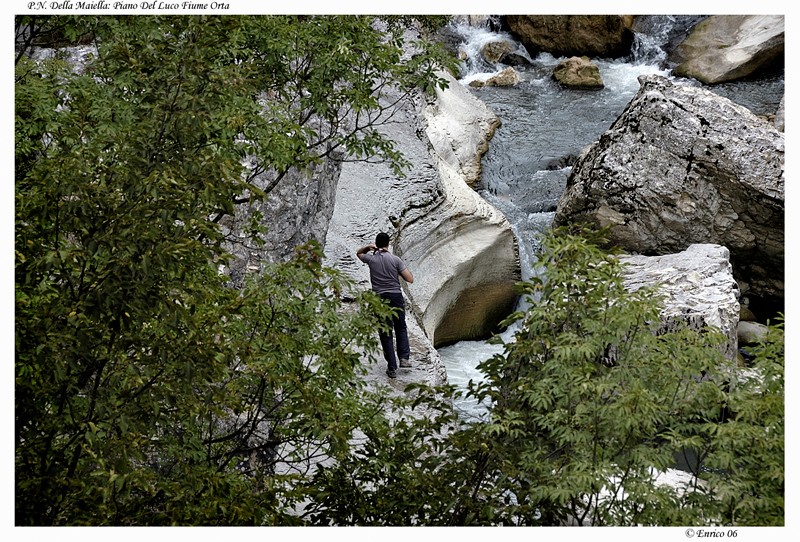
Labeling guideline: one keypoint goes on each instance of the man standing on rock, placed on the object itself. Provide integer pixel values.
(384, 272)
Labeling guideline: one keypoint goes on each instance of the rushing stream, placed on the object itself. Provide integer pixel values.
(544, 127)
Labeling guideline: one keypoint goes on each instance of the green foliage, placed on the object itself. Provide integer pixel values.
(147, 390)
(192, 410)
(593, 397)
(745, 455)
(425, 23)
(393, 473)
(282, 90)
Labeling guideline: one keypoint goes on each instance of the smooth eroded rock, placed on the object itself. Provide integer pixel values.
(729, 47)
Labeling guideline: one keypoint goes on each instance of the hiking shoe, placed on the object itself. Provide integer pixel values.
(405, 363)
(391, 373)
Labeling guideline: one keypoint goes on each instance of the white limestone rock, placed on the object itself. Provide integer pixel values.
(699, 288)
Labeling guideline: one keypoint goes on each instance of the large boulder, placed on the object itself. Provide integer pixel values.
(606, 36)
(680, 166)
(459, 128)
(698, 288)
(466, 260)
(729, 47)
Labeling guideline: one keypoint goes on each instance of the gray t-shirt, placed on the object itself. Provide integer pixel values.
(384, 268)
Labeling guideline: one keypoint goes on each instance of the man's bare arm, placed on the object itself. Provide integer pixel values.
(363, 250)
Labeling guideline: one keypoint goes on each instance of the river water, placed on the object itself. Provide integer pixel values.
(543, 126)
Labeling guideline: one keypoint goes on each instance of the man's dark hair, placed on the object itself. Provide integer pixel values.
(382, 240)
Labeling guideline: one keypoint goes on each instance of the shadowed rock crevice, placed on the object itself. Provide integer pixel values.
(475, 314)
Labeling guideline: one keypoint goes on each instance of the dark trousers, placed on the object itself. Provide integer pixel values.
(398, 324)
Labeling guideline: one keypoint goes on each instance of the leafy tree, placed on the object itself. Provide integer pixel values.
(589, 402)
(399, 473)
(592, 398)
(744, 457)
(147, 390)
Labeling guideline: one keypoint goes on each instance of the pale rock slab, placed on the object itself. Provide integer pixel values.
(699, 288)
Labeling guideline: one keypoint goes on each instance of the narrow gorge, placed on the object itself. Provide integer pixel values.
(494, 166)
